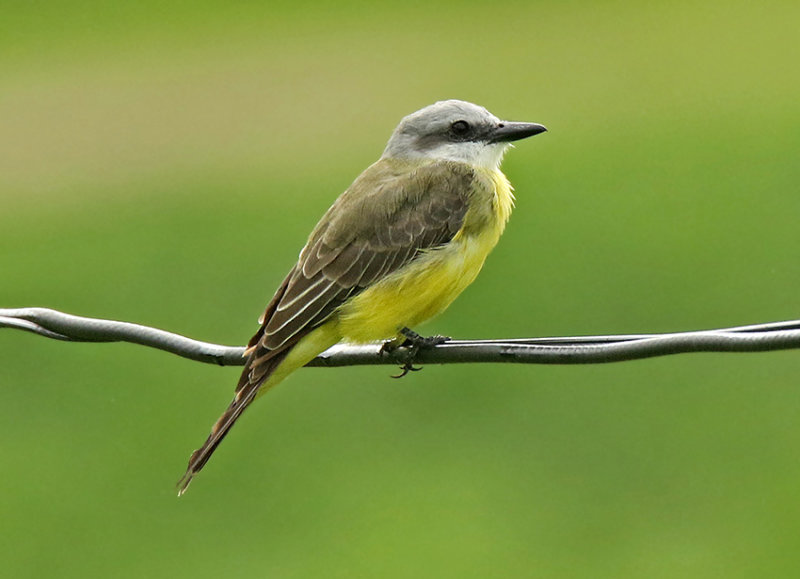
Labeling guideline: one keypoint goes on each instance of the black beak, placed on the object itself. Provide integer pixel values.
(506, 132)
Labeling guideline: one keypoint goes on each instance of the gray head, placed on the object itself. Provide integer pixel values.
(456, 130)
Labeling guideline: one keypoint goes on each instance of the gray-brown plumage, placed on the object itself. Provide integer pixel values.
(437, 188)
(350, 248)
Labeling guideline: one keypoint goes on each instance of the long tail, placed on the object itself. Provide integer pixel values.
(245, 394)
(264, 369)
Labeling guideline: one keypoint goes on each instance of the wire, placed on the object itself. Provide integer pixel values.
(553, 350)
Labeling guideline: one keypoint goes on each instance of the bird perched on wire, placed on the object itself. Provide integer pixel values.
(395, 249)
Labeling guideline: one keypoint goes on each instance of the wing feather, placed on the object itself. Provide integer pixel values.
(390, 214)
(382, 222)
(299, 289)
(285, 324)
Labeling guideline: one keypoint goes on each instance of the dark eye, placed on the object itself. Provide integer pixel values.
(460, 128)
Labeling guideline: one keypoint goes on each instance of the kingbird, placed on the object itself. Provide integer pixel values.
(395, 249)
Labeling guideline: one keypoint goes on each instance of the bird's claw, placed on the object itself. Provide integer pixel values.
(413, 343)
(415, 339)
(405, 369)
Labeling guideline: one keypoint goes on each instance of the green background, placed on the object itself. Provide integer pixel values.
(163, 163)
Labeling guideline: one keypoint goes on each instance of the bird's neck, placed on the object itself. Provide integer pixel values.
(503, 195)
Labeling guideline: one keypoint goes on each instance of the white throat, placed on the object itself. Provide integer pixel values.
(483, 155)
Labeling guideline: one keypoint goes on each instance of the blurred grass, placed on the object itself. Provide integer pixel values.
(163, 163)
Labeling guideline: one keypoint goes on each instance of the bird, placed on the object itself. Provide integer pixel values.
(394, 250)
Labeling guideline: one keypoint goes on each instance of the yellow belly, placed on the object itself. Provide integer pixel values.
(426, 286)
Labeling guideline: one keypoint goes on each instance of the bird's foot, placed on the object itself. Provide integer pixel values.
(412, 344)
(415, 339)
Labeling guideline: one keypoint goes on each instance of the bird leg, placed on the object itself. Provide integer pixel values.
(413, 343)
(415, 339)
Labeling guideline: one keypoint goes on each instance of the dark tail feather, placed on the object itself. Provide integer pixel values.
(249, 385)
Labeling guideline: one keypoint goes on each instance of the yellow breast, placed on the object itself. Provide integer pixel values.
(426, 286)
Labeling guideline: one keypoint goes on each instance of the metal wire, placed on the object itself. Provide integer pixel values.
(553, 350)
